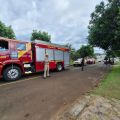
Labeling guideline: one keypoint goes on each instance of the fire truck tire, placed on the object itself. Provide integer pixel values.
(12, 73)
(59, 67)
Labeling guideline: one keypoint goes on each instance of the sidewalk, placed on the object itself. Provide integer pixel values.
(91, 108)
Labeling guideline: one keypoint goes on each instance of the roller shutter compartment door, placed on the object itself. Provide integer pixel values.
(50, 53)
(59, 55)
(40, 54)
(66, 59)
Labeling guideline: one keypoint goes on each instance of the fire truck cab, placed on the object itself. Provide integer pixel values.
(18, 57)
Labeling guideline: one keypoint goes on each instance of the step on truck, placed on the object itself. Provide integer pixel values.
(18, 57)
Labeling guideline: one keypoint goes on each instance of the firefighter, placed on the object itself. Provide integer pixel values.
(46, 66)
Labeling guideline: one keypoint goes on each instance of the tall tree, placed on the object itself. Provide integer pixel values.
(86, 51)
(6, 31)
(104, 26)
(44, 36)
(10, 33)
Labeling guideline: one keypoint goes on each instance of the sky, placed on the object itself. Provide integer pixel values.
(65, 20)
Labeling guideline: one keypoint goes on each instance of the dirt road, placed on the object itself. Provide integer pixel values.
(38, 99)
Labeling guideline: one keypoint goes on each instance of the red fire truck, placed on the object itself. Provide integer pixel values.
(18, 57)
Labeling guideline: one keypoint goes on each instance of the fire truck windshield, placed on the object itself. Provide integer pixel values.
(3, 45)
(21, 46)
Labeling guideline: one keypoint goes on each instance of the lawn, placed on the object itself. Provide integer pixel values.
(110, 86)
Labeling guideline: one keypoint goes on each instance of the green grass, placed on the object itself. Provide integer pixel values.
(110, 86)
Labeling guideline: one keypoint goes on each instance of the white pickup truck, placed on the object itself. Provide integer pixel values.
(77, 62)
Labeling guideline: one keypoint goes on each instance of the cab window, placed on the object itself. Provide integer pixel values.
(21, 46)
(3, 45)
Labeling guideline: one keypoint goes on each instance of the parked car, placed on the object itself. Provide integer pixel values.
(111, 61)
(108, 62)
(78, 62)
(116, 60)
(91, 61)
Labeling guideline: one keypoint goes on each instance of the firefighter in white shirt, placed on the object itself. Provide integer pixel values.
(46, 66)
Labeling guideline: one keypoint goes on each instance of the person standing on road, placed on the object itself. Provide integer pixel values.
(82, 64)
(46, 66)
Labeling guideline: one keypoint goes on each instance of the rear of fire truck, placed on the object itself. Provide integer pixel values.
(58, 55)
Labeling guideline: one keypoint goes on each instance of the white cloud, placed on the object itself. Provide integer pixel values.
(65, 20)
(61, 5)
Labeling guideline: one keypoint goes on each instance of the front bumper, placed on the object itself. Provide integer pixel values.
(77, 64)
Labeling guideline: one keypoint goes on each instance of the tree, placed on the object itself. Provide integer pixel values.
(44, 36)
(117, 53)
(85, 51)
(104, 26)
(6, 31)
(10, 33)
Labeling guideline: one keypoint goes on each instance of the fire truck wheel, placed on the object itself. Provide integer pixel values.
(12, 73)
(59, 67)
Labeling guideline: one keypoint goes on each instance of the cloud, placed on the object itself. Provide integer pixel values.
(65, 20)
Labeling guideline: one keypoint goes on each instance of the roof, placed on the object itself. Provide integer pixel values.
(36, 41)
(7, 39)
(48, 43)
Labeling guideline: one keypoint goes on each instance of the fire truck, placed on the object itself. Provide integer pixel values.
(18, 57)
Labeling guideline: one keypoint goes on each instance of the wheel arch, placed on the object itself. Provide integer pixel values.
(14, 64)
(60, 62)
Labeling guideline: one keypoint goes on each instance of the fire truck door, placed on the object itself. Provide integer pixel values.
(24, 52)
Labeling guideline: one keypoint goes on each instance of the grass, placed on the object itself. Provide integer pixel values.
(110, 86)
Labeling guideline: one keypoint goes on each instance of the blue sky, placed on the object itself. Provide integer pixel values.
(65, 20)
